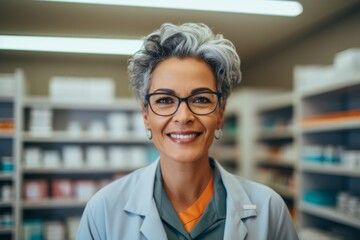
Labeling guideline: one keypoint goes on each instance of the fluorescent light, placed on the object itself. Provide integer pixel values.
(70, 45)
(266, 7)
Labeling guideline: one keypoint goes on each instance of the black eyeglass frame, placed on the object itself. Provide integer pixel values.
(147, 102)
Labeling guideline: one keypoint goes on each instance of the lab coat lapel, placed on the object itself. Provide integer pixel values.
(142, 203)
(237, 209)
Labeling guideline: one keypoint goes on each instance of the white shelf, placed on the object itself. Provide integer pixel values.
(7, 135)
(334, 126)
(44, 171)
(7, 98)
(65, 137)
(330, 169)
(330, 213)
(278, 163)
(118, 104)
(6, 203)
(6, 230)
(6, 176)
(275, 134)
(278, 101)
(52, 203)
(342, 83)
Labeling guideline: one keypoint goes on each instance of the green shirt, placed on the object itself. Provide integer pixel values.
(211, 225)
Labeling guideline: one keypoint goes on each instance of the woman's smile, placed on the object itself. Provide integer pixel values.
(184, 137)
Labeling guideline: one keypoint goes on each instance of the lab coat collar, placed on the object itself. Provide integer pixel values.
(141, 202)
(238, 206)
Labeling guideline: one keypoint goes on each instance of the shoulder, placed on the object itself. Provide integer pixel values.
(239, 188)
(117, 192)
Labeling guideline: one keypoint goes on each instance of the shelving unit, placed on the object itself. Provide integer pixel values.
(329, 133)
(236, 148)
(9, 143)
(61, 135)
(275, 161)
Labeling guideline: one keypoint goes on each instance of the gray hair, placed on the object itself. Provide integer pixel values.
(187, 40)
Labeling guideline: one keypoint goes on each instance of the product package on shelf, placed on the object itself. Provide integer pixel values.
(62, 189)
(81, 89)
(85, 189)
(118, 124)
(54, 230)
(118, 157)
(96, 157)
(7, 125)
(73, 157)
(51, 159)
(7, 85)
(33, 157)
(348, 60)
(36, 190)
(40, 123)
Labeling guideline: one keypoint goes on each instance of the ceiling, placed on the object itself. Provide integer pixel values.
(253, 35)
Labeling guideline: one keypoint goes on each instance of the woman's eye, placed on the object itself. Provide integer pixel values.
(202, 100)
(165, 100)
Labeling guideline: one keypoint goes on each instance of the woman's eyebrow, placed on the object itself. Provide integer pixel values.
(165, 90)
(197, 90)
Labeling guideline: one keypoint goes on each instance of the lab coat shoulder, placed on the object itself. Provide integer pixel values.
(262, 211)
(117, 211)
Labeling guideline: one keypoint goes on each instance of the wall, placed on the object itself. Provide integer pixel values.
(39, 67)
(273, 70)
(276, 70)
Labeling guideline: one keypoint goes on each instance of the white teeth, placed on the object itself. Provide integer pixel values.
(179, 136)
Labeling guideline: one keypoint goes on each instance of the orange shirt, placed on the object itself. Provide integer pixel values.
(191, 216)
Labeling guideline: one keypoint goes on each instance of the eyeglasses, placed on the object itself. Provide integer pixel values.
(164, 104)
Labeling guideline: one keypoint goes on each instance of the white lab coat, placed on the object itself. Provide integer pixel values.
(125, 209)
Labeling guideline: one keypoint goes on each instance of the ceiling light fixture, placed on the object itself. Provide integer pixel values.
(265, 7)
(70, 45)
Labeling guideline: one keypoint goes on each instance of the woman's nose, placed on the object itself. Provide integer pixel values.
(183, 114)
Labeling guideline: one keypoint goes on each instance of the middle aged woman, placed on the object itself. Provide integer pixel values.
(182, 77)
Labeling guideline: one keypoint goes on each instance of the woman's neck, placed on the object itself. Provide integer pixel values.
(184, 182)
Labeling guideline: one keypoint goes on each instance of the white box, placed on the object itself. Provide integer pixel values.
(73, 157)
(348, 60)
(81, 89)
(96, 157)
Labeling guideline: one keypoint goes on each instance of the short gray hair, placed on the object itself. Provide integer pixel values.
(186, 40)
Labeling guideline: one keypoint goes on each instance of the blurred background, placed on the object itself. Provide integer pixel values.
(69, 124)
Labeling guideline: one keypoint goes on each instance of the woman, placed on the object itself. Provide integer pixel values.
(182, 77)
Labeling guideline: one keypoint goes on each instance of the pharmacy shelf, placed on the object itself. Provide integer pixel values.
(6, 230)
(342, 82)
(275, 135)
(7, 98)
(71, 171)
(7, 135)
(332, 126)
(277, 164)
(330, 169)
(330, 213)
(6, 203)
(117, 104)
(64, 137)
(6, 176)
(52, 203)
(277, 101)
(327, 116)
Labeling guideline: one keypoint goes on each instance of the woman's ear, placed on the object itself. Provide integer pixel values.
(221, 117)
(145, 116)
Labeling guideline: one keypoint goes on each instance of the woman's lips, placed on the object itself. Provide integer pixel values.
(184, 137)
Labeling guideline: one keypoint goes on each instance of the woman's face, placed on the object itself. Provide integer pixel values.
(183, 136)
